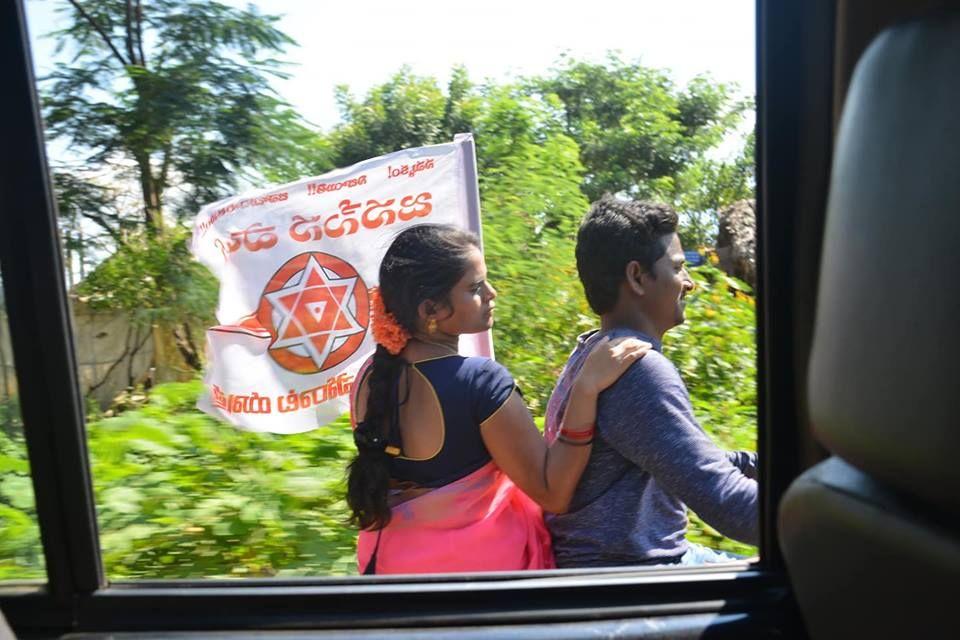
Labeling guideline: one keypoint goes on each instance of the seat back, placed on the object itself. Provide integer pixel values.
(872, 536)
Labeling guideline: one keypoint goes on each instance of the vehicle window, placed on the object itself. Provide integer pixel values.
(154, 110)
(21, 555)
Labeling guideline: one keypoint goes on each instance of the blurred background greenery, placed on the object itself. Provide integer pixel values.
(182, 495)
(189, 116)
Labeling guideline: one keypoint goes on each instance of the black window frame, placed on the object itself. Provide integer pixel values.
(794, 101)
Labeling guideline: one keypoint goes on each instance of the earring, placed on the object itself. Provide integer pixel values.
(432, 326)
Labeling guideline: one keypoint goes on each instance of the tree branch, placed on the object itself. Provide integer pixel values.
(103, 224)
(128, 33)
(143, 58)
(186, 347)
(93, 23)
(164, 168)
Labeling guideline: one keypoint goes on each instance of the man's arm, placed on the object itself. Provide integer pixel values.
(646, 416)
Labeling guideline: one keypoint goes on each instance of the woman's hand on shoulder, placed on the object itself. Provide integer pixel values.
(607, 361)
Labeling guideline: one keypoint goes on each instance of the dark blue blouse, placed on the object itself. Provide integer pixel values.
(469, 390)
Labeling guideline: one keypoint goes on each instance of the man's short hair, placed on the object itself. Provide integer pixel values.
(613, 233)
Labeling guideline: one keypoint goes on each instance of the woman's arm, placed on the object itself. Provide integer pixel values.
(549, 474)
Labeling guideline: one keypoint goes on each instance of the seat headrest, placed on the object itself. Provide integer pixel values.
(885, 370)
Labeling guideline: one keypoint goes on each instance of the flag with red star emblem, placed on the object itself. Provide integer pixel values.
(296, 263)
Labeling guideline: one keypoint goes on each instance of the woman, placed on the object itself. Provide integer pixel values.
(451, 472)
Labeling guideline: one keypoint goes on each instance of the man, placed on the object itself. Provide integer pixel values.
(650, 458)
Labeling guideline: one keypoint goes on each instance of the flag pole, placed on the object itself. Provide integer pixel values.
(481, 343)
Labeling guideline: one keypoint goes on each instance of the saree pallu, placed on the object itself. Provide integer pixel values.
(481, 522)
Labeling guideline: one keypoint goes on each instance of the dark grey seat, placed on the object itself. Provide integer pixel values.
(872, 535)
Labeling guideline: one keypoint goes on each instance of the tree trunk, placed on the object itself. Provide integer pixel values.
(153, 213)
(175, 356)
(187, 347)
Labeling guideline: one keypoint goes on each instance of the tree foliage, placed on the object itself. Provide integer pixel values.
(180, 494)
(154, 280)
(531, 200)
(705, 187)
(179, 89)
(406, 111)
(21, 556)
(169, 100)
(635, 128)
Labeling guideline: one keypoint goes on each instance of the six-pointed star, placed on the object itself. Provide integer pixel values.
(314, 312)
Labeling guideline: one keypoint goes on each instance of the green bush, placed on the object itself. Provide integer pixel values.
(182, 495)
(21, 556)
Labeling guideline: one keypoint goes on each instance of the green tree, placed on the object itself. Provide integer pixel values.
(706, 186)
(175, 96)
(531, 200)
(636, 129)
(157, 281)
(79, 200)
(180, 88)
(406, 111)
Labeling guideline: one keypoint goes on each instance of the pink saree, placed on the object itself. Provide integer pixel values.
(481, 522)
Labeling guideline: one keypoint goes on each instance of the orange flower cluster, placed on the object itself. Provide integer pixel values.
(386, 330)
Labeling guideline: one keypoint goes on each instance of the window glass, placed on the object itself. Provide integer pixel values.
(21, 554)
(151, 115)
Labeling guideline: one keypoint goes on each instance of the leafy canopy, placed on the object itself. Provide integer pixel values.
(635, 128)
(178, 89)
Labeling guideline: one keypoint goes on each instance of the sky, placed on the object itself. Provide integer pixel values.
(363, 43)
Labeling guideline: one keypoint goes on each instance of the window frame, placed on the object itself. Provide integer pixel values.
(794, 99)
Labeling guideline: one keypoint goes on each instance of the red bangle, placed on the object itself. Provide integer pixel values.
(572, 432)
(578, 435)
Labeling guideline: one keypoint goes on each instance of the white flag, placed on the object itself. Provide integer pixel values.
(295, 265)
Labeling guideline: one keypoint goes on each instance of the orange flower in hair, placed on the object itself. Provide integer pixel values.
(386, 330)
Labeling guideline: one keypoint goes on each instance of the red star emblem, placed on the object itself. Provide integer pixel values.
(317, 311)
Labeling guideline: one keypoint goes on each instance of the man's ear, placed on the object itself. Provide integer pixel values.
(635, 277)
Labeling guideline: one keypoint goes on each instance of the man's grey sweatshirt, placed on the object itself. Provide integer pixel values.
(650, 460)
